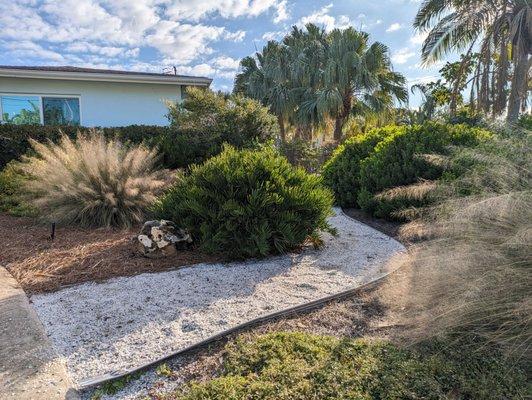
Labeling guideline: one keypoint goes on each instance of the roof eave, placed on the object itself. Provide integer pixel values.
(106, 77)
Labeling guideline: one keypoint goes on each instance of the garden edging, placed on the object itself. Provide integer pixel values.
(100, 380)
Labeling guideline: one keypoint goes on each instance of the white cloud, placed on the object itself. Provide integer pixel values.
(422, 80)
(203, 69)
(29, 49)
(198, 9)
(402, 56)
(282, 12)
(418, 38)
(274, 35)
(394, 27)
(227, 63)
(183, 42)
(237, 36)
(322, 18)
(108, 51)
(88, 31)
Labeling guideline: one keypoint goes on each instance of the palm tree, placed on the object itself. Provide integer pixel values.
(313, 77)
(266, 78)
(428, 107)
(503, 26)
(352, 76)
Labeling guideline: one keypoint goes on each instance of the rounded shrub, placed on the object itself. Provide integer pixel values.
(91, 181)
(248, 203)
(342, 171)
(397, 160)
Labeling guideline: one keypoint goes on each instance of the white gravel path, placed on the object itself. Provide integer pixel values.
(120, 324)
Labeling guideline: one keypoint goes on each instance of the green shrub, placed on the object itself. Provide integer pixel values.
(236, 120)
(286, 366)
(200, 127)
(342, 171)
(396, 160)
(301, 153)
(525, 121)
(91, 181)
(12, 199)
(248, 203)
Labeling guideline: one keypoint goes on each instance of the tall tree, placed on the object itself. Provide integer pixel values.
(354, 76)
(266, 77)
(497, 25)
(314, 76)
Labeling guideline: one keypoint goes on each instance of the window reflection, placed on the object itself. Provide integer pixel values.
(20, 109)
(61, 111)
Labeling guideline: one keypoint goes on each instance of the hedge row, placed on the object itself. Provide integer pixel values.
(199, 126)
(177, 148)
(390, 157)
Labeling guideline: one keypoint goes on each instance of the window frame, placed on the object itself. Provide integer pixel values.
(41, 107)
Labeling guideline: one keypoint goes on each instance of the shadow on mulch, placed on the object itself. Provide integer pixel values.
(76, 255)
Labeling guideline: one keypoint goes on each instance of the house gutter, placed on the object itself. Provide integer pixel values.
(106, 77)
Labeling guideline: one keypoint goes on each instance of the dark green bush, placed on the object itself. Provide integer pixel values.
(286, 366)
(388, 157)
(248, 203)
(15, 139)
(342, 171)
(525, 121)
(396, 161)
(12, 199)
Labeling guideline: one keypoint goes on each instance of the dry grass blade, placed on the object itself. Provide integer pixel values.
(416, 191)
(472, 274)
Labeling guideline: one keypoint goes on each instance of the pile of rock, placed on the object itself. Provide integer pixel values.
(161, 238)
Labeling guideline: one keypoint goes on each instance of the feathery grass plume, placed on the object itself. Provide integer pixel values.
(91, 181)
(416, 191)
(474, 274)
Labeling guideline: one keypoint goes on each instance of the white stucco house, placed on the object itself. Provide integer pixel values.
(88, 97)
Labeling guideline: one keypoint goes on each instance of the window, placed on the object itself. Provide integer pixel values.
(60, 111)
(32, 109)
(21, 109)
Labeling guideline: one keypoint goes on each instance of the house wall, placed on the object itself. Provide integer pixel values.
(104, 103)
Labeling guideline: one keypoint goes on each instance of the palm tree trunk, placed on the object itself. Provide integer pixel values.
(342, 117)
(502, 79)
(519, 87)
(282, 130)
(338, 126)
(460, 79)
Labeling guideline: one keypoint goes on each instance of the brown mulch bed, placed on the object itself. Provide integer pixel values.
(75, 255)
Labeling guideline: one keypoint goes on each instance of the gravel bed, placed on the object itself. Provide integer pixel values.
(102, 328)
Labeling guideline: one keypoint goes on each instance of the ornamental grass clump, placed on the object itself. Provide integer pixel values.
(248, 203)
(471, 273)
(91, 181)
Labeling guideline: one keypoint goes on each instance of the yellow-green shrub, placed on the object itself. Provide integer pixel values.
(287, 366)
(342, 171)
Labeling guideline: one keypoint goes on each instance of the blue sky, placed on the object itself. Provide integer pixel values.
(199, 37)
